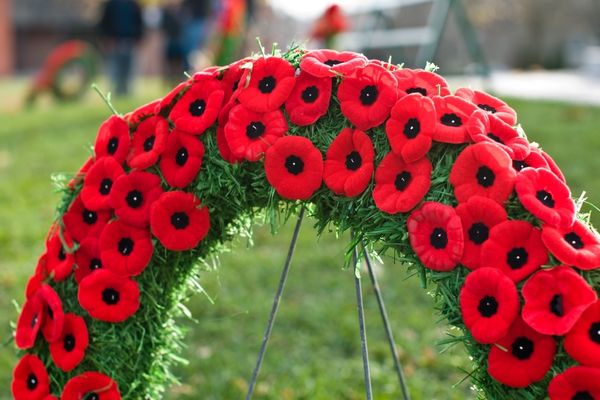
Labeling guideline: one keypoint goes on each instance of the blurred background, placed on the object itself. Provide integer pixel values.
(541, 56)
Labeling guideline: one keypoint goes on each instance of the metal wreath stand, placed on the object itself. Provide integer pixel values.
(361, 318)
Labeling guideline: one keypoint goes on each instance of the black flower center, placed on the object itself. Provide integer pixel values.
(89, 217)
(331, 63)
(402, 180)
(149, 143)
(294, 165)
(522, 348)
(50, 313)
(594, 332)
(32, 382)
(574, 240)
(517, 257)
(255, 129)
(495, 138)
(62, 256)
(95, 264)
(105, 186)
(34, 320)
(487, 107)
(69, 342)
(412, 128)
(353, 161)
(310, 94)
(479, 233)
(485, 176)
(582, 395)
(557, 306)
(92, 396)
(267, 84)
(197, 107)
(438, 238)
(451, 119)
(110, 296)
(125, 246)
(113, 145)
(368, 95)
(180, 220)
(519, 165)
(134, 199)
(420, 90)
(488, 306)
(181, 156)
(545, 198)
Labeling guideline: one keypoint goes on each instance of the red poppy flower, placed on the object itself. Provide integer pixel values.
(113, 139)
(166, 102)
(182, 159)
(484, 127)
(179, 221)
(489, 303)
(81, 222)
(436, 235)
(478, 215)
(54, 317)
(38, 277)
(148, 143)
(309, 100)
(490, 104)
(91, 386)
(50, 397)
(330, 63)
(132, 196)
(367, 96)
(98, 183)
(546, 196)
(555, 299)
(420, 81)
(271, 82)
(59, 260)
(399, 186)
(482, 169)
(222, 144)
(142, 112)
(515, 248)
(553, 166)
(583, 341)
(576, 383)
(249, 133)
(78, 178)
(125, 249)
(30, 379)
(108, 297)
(199, 107)
(68, 351)
(87, 258)
(230, 79)
(453, 115)
(348, 165)
(294, 167)
(386, 65)
(29, 322)
(533, 160)
(577, 246)
(522, 357)
(410, 127)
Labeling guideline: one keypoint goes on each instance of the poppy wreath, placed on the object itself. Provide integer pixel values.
(447, 183)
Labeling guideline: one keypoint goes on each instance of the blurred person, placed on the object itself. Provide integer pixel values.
(231, 26)
(329, 25)
(121, 25)
(196, 15)
(174, 54)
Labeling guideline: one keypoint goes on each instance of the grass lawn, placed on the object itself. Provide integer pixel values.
(315, 350)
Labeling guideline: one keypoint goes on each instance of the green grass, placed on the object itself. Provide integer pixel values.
(314, 351)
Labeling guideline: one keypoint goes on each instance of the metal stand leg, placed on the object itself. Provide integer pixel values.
(386, 323)
(276, 301)
(361, 323)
